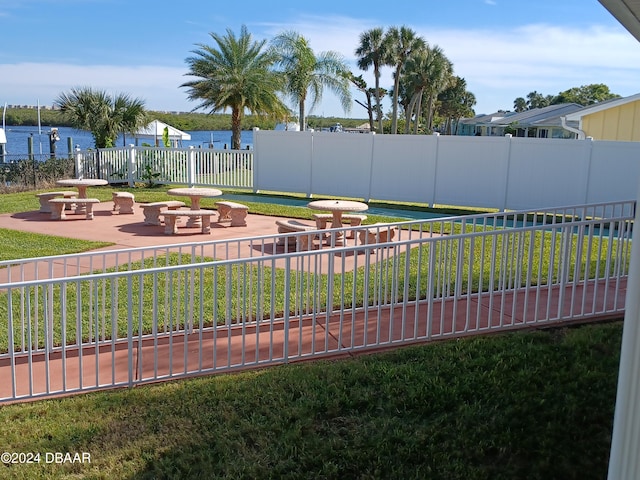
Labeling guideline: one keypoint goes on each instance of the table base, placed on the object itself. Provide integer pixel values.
(194, 222)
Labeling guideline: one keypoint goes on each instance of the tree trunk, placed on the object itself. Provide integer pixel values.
(418, 112)
(302, 119)
(236, 128)
(396, 89)
(377, 95)
(372, 127)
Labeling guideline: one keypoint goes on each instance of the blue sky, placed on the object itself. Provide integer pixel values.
(503, 48)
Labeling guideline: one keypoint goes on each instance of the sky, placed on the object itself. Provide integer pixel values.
(504, 49)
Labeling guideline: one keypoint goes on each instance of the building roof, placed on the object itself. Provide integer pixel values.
(627, 12)
(600, 106)
(541, 116)
(545, 116)
(485, 118)
(156, 128)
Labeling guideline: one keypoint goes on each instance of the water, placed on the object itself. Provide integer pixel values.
(17, 139)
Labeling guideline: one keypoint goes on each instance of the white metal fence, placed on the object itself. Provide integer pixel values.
(110, 319)
(190, 166)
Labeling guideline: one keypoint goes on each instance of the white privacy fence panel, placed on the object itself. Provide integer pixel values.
(285, 162)
(182, 310)
(331, 174)
(614, 166)
(410, 175)
(490, 172)
(468, 175)
(547, 173)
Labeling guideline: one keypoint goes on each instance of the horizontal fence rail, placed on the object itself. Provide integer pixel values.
(143, 315)
(190, 166)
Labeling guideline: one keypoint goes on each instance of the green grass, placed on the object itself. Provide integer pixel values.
(536, 405)
(17, 244)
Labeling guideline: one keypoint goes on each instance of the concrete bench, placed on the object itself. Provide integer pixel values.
(302, 242)
(171, 217)
(374, 234)
(153, 210)
(82, 205)
(46, 196)
(122, 202)
(233, 212)
(353, 219)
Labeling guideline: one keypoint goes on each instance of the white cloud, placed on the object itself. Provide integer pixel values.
(157, 85)
(497, 65)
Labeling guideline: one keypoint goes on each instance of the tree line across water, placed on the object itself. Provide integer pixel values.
(186, 121)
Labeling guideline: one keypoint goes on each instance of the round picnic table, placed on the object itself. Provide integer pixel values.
(195, 194)
(81, 184)
(337, 208)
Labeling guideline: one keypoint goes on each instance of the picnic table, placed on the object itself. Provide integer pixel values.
(195, 194)
(337, 209)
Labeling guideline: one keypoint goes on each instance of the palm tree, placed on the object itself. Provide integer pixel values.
(103, 115)
(456, 102)
(429, 70)
(306, 74)
(371, 54)
(236, 73)
(400, 43)
(519, 104)
(537, 100)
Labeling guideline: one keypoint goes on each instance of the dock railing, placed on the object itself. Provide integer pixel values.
(116, 319)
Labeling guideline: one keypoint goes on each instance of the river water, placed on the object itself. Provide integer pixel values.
(18, 139)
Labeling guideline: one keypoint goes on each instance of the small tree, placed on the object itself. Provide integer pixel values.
(102, 114)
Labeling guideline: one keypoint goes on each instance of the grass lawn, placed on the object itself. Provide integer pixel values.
(525, 405)
(536, 405)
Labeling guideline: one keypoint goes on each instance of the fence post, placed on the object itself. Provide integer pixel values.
(371, 158)
(191, 166)
(254, 164)
(589, 161)
(623, 461)
(78, 163)
(435, 171)
(507, 172)
(132, 170)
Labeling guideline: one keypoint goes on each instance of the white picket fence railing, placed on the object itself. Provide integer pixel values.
(100, 320)
(189, 166)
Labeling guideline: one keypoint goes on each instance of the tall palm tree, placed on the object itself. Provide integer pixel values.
(456, 102)
(306, 75)
(237, 74)
(439, 72)
(104, 115)
(519, 104)
(371, 53)
(537, 100)
(427, 72)
(400, 43)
